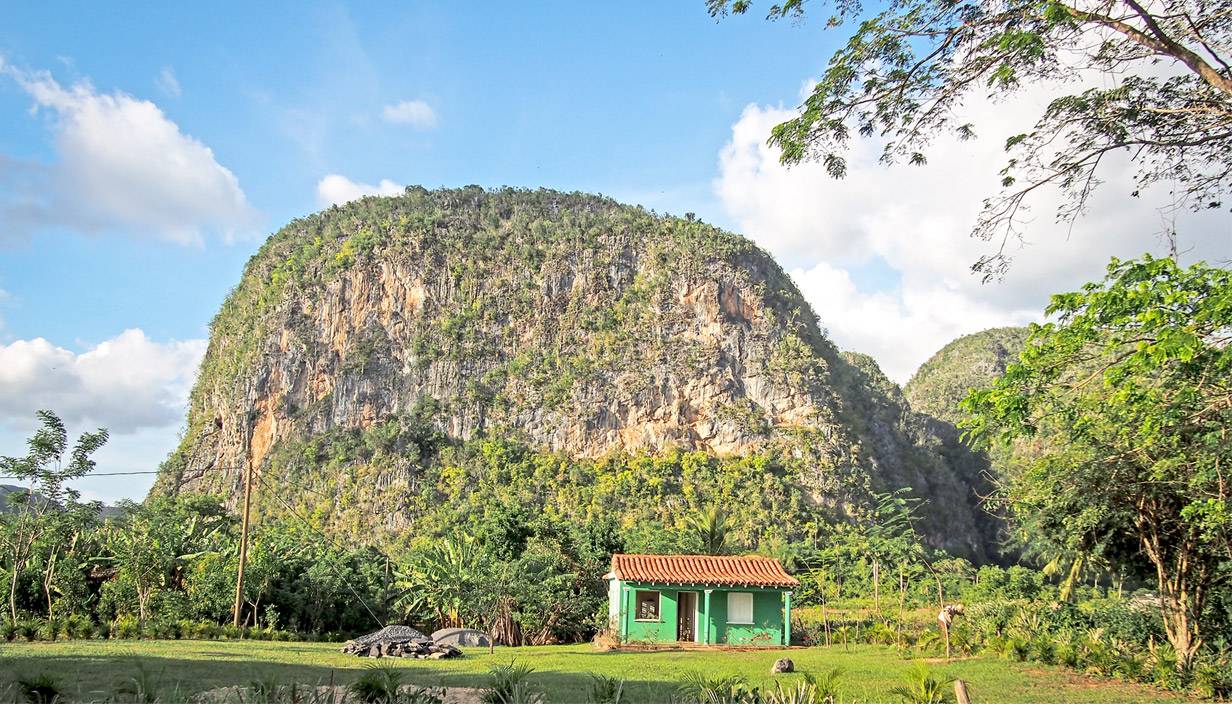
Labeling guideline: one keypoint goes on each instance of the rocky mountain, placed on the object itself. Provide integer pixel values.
(579, 327)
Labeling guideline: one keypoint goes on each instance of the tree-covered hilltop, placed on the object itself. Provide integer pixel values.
(969, 362)
(569, 325)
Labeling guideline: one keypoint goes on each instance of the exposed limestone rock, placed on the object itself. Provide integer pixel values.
(582, 325)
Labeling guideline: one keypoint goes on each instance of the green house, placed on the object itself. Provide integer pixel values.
(705, 599)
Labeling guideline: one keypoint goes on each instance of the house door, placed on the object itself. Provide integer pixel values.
(686, 617)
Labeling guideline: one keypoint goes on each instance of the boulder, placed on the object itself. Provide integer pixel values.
(783, 665)
(400, 642)
(461, 637)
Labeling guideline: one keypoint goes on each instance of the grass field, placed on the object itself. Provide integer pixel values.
(92, 669)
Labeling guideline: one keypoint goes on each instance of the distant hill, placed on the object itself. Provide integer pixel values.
(7, 490)
(570, 323)
(970, 362)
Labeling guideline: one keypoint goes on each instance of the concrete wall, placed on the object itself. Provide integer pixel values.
(661, 631)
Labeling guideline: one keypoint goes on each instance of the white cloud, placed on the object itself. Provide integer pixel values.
(914, 222)
(168, 83)
(415, 113)
(336, 189)
(123, 166)
(125, 384)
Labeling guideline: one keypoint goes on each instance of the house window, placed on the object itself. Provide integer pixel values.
(647, 606)
(739, 607)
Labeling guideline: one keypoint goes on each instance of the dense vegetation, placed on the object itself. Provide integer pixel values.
(1105, 429)
(1150, 82)
(367, 345)
(1118, 414)
(971, 362)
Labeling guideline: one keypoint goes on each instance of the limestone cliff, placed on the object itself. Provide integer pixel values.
(578, 324)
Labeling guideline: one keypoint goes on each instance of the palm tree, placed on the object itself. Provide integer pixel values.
(710, 529)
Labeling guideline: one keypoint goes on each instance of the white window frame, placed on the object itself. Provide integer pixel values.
(732, 617)
(658, 605)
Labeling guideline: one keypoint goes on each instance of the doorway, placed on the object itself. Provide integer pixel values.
(686, 617)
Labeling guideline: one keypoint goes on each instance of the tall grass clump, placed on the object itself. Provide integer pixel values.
(605, 690)
(923, 687)
(40, 689)
(378, 685)
(509, 684)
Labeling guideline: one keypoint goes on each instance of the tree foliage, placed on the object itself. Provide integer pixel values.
(1121, 407)
(45, 511)
(1165, 99)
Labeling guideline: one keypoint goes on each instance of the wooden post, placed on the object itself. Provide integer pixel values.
(787, 621)
(825, 617)
(960, 692)
(877, 587)
(239, 578)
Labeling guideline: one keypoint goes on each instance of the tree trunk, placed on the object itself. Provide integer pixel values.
(825, 619)
(1180, 622)
(876, 586)
(902, 601)
(21, 554)
(13, 594)
(1182, 579)
(49, 578)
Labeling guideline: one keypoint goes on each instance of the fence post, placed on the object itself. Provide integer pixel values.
(960, 692)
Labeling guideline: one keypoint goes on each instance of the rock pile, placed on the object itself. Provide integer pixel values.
(399, 642)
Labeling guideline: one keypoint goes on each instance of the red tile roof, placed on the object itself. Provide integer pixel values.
(744, 571)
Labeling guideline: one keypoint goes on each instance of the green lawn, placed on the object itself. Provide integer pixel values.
(92, 669)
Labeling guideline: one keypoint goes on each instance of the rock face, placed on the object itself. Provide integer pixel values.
(581, 325)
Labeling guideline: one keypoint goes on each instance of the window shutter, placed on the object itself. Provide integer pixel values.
(739, 607)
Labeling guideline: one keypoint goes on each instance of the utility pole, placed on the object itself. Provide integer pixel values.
(239, 579)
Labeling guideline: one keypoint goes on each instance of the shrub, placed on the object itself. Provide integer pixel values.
(28, 630)
(808, 690)
(425, 695)
(1212, 677)
(695, 687)
(79, 626)
(145, 687)
(923, 687)
(8, 630)
(51, 629)
(378, 685)
(508, 684)
(40, 689)
(165, 630)
(126, 627)
(605, 690)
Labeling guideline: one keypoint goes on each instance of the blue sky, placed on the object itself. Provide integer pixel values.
(147, 150)
(633, 101)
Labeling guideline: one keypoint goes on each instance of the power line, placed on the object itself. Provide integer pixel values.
(327, 539)
(109, 474)
(86, 476)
